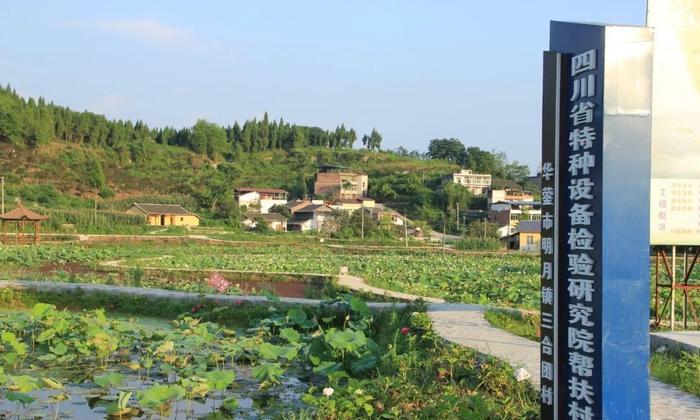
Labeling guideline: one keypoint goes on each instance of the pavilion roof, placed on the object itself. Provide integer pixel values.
(22, 213)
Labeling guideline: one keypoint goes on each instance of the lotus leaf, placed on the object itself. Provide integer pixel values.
(19, 397)
(326, 368)
(157, 395)
(290, 334)
(268, 373)
(109, 380)
(220, 379)
(271, 351)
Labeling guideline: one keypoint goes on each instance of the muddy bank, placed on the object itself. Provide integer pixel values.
(284, 285)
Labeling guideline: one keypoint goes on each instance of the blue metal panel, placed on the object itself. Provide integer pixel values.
(626, 178)
(620, 223)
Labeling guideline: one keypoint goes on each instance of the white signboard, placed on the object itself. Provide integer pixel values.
(675, 165)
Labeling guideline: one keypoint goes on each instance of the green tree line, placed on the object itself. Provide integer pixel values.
(478, 160)
(37, 122)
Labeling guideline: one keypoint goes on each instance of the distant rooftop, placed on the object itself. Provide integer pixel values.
(353, 200)
(519, 203)
(311, 208)
(174, 209)
(270, 217)
(338, 168)
(262, 190)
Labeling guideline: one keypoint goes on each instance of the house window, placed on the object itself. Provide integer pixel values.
(530, 239)
(182, 219)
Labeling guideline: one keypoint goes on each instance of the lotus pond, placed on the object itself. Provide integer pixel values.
(338, 361)
(495, 278)
(63, 364)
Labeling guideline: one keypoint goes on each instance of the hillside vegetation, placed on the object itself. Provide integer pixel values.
(56, 158)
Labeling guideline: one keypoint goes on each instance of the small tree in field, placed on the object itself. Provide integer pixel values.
(261, 225)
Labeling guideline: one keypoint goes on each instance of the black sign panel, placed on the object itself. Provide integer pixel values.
(571, 306)
(551, 126)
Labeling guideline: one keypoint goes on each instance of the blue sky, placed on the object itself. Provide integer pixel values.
(415, 70)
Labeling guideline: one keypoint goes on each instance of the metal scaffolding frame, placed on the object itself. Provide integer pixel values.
(669, 270)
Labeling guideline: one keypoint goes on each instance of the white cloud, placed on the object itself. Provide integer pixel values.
(147, 30)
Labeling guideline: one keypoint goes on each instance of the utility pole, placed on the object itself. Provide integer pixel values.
(362, 213)
(444, 228)
(458, 216)
(95, 200)
(2, 181)
(405, 229)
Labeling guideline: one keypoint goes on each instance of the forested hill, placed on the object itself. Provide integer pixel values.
(36, 122)
(53, 157)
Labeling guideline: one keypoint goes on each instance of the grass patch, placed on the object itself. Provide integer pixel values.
(523, 324)
(680, 369)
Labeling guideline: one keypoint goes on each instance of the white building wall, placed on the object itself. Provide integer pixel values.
(318, 220)
(266, 204)
(252, 201)
(249, 199)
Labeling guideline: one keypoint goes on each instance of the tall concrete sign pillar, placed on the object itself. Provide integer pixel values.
(596, 142)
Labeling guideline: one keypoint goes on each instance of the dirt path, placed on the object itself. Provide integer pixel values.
(359, 284)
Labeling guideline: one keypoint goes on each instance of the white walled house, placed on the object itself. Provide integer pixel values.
(260, 200)
(380, 212)
(476, 183)
(311, 217)
(510, 195)
(507, 214)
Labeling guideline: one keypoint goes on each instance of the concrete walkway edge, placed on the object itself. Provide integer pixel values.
(466, 326)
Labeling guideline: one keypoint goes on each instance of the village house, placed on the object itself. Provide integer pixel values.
(352, 204)
(510, 194)
(274, 221)
(309, 217)
(380, 212)
(164, 214)
(338, 182)
(476, 183)
(507, 214)
(526, 238)
(297, 204)
(260, 200)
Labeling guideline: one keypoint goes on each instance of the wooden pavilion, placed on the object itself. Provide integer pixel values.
(21, 216)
